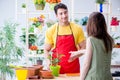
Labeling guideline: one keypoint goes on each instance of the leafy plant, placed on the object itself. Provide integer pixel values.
(55, 58)
(31, 37)
(83, 21)
(100, 1)
(23, 5)
(9, 51)
(39, 2)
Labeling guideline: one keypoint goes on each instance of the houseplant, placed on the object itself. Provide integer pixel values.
(23, 6)
(114, 23)
(54, 66)
(9, 51)
(38, 23)
(39, 4)
(100, 2)
(31, 38)
(83, 22)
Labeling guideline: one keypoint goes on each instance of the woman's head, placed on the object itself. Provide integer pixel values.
(96, 25)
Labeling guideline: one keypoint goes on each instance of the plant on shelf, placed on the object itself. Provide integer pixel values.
(83, 22)
(114, 23)
(31, 38)
(23, 6)
(100, 2)
(10, 53)
(38, 22)
(53, 3)
(39, 4)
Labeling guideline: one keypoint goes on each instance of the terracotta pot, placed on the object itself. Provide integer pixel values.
(46, 74)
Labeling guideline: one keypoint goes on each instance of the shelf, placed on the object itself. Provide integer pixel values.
(35, 55)
(115, 66)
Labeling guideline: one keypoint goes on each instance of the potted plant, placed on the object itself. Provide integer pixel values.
(9, 51)
(83, 22)
(39, 4)
(53, 3)
(100, 2)
(114, 24)
(38, 23)
(23, 6)
(31, 38)
(54, 66)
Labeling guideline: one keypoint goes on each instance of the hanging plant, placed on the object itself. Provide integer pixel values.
(39, 4)
(100, 2)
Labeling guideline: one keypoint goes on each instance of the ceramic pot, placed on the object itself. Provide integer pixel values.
(55, 70)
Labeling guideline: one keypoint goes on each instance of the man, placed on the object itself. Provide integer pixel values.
(64, 37)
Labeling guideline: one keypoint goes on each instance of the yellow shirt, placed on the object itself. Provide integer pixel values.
(51, 33)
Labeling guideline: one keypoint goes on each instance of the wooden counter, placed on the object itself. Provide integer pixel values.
(65, 77)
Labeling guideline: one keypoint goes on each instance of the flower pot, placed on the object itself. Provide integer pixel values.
(46, 74)
(114, 28)
(39, 62)
(39, 6)
(26, 73)
(55, 70)
(23, 72)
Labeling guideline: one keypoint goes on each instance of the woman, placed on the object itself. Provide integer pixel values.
(98, 50)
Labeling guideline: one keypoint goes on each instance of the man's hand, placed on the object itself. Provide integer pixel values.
(76, 54)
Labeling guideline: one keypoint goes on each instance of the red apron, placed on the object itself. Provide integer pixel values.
(65, 44)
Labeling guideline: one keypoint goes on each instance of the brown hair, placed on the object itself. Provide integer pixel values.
(97, 27)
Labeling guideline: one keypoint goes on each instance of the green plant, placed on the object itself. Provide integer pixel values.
(23, 5)
(39, 2)
(31, 37)
(83, 21)
(100, 1)
(55, 58)
(9, 51)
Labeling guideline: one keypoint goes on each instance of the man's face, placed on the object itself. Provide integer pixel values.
(62, 15)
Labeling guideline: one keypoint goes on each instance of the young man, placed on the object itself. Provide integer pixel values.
(64, 37)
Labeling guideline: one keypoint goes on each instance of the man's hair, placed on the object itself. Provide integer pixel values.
(58, 6)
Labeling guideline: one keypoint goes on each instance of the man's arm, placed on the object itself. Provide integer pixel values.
(47, 48)
(82, 45)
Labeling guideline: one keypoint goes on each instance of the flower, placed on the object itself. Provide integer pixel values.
(114, 21)
(38, 21)
(33, 47)
(53, 1)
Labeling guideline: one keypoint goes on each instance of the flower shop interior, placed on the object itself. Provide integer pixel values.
(22, 32)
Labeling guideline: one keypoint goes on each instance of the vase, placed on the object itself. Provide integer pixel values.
(114, 28)
(39, 6)
(55, 70)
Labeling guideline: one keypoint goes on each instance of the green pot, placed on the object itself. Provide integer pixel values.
(55, 70)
